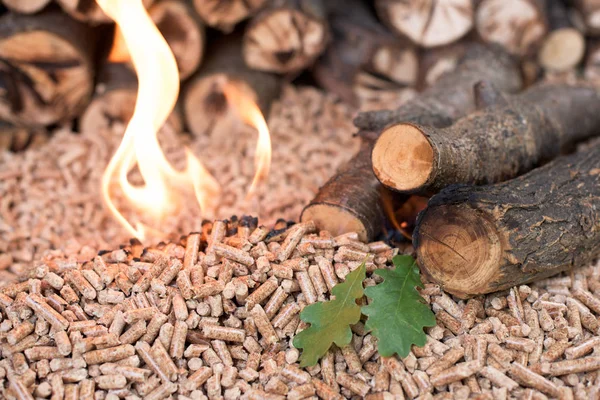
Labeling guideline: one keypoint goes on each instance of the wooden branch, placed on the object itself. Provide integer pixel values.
(205, 106)
(47, 68)
(476, 240)
(286, 37)
(114, 101)
(183, 31)
(507, 139)
(88, 10)
(225, 15)
(363, 54)
(564, 47)
(26, 6)
(518, 25)
(350, 200)
(428, 23)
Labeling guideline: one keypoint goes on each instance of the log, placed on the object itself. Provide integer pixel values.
(518, 25)
(428, 23)
(206, 109)
(438, 61)
(17, 139)
(589, 10)
(183, 31)
(362, 52)
(563, 48)
(88, 10)
(47, 68)
(286, 37)
(350, 200)
(592, 63)
(225, 15)
(506, 139)
(26, 6)
(476, 240)
(114, 101)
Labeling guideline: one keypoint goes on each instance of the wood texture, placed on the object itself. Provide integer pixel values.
(88, 10)
(351, 198)
(26, 6)
(475, 240)
(226, 14)
(501, 142)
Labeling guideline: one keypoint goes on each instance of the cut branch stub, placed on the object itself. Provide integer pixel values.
(88, 10)
(476, 240)
(47, 68)
(490, 146)
(225, 14)
(286, 37)
(428, 23)
(518, 25)
(183, 31)
(26, 6)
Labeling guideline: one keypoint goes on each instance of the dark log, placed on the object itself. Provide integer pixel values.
(517, 25)
(17, 139)
(114, 101)
(47, 68)
(26, 6)
(207, 111)
(363, 54)
(592, 62)
(286, 37)
(226, 14)
(350, 200)
(589, 10)
(476, 240)
(89, 11)
(428, 23)
(505, 140)
(183, 31)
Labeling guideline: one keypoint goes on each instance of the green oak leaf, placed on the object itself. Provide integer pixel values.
(330, 320)
(397, 312)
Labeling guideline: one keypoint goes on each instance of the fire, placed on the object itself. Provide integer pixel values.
(158, 89)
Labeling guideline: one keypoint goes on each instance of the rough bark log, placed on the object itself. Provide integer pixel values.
(564, 47)
(286, 37)
(47, 68)
(89, 11)
(362, 46)
(428, 23)
(114, 101)
(26, 6)
(226, 14)
(505, 140)
(206, 109)
(350, 200)
(518, 25)
(476, 240)
(183, 31)
(590, 13)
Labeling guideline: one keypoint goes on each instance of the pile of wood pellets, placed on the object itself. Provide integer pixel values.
(213, 316)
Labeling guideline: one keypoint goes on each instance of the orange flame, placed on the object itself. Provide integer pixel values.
(158, 89)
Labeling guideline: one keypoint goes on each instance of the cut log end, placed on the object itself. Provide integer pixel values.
(460, 248)
(335, 219)
(562, 50)
(403, 158)
(284, 41)
(26, 6)
(224, 15)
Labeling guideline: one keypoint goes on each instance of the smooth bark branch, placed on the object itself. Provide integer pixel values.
(47, 68)
(225, 14)
(476, 240)
(89, 11)
(206, 109)
(518, 25)
(183, 31)
(489, 146)
(350, 200)
(428, 23)
(286, 37)
(26, 6)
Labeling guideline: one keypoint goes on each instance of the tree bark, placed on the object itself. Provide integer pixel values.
(17, 139)
(350, 200)
(286, 37)
(517, 25)
(226, 14)
(114, 101)
(26, 6)
(507, 139)
(590, 12)
(183, 31)
(47, 68)
(206, 109)
(428, 23)
(476, 240)
(89, 11)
